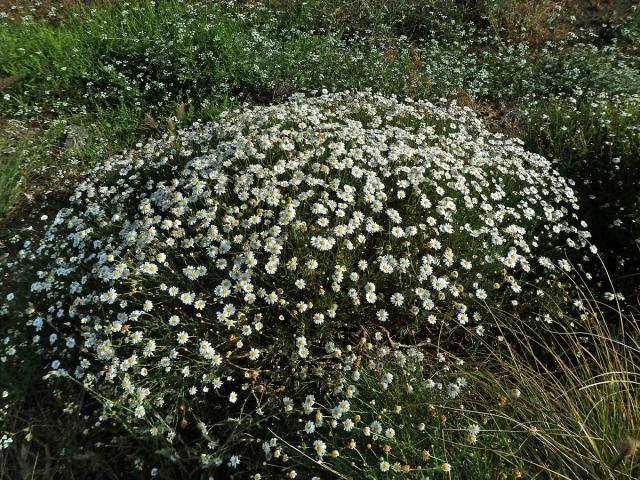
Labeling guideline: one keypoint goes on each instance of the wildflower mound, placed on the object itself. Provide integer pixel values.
(253, 290)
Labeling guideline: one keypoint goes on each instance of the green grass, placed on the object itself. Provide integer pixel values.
(9, 180)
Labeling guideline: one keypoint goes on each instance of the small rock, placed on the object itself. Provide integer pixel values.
(76, 137)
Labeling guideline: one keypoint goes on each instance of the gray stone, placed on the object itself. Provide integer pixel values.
(76, 137)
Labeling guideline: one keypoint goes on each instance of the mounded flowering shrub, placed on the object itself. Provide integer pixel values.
(230, 284)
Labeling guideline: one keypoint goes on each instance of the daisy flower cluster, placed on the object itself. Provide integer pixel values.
(200, 282)
(391, 417)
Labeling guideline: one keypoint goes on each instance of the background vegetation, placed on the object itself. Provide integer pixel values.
(82, 80)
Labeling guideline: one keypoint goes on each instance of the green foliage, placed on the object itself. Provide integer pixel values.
(630, 25)
(553, 73)
(596, 69)
(596, 140)
(123, 61)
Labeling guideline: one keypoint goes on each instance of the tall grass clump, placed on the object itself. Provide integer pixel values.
(217, 291)
(575, 409)
(557, 400)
